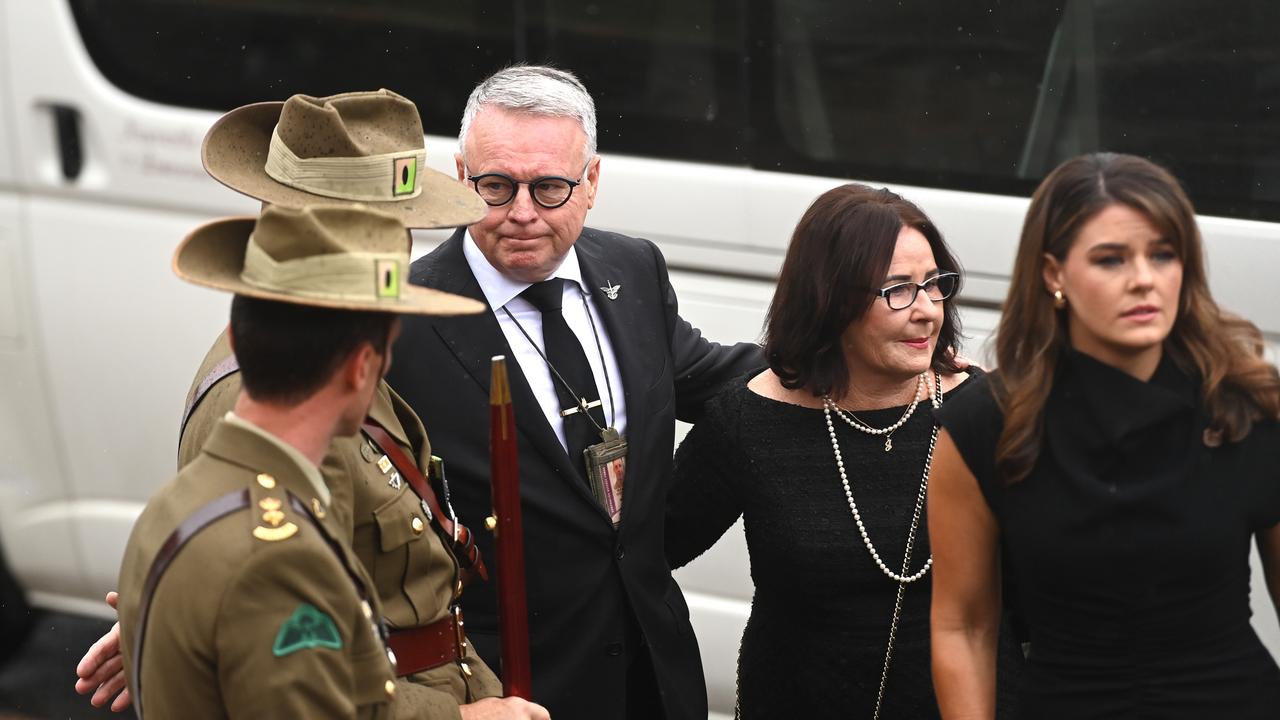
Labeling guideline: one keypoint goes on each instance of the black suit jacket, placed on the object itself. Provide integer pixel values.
(584, 578)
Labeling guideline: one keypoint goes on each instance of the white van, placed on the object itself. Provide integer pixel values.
(720, 120)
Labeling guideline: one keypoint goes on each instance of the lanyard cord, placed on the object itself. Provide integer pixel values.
(599, 348)
(608, 386)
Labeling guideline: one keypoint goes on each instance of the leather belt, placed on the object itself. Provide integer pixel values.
(429, 646)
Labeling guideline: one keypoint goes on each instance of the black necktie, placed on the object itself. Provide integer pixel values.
(565, 355)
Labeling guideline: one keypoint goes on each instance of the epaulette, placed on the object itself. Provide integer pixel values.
(269, 507)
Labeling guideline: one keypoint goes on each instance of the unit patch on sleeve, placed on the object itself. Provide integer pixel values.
(306, 628)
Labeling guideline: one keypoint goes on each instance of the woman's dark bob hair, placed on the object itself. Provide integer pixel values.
(838, 257)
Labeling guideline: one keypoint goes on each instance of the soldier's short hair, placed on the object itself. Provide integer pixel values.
(287, 351)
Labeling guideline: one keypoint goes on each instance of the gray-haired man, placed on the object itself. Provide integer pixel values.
(610, 630)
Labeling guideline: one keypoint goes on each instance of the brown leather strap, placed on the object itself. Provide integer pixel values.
(429, 646)
(200, 519)
(305, 510)
(464, 547)
(224, 368)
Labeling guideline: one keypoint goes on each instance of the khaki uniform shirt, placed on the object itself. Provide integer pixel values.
(262, 613)
(414, 572)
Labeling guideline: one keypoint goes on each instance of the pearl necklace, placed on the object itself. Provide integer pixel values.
(827, 406)
(857, 424)
(903, 579)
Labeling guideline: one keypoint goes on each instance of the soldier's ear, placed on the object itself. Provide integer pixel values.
(231, 339)
(392, 337)
(361, 367)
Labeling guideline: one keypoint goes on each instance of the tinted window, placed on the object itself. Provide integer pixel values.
(656, 69)
(972, 95)
(933, 93)
(989, 96)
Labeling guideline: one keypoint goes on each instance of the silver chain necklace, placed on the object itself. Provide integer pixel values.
(902, 579)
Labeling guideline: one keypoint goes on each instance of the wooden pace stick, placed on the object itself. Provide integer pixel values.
(508, 532)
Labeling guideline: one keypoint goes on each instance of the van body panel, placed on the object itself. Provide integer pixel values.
(133, 150)
(38, 540)
(120, 332)
(105, 330)
(8, 149)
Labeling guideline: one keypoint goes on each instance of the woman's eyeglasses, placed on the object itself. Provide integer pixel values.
(936, 288)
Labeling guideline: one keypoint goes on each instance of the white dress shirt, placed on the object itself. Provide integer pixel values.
(502, 291)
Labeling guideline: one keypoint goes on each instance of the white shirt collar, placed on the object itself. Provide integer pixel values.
(309, 469)
(499, 289)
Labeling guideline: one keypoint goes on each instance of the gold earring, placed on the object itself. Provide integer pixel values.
(1059, 301)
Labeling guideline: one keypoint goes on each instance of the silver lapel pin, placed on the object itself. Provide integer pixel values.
(611, 290)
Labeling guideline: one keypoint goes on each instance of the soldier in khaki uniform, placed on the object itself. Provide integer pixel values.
(403, 547)
(407, 556)
(240, 594)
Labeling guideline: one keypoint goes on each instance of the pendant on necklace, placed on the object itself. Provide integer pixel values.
(888, 443)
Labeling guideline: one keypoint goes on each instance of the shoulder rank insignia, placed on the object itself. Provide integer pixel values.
(306, 628)
(273, 527)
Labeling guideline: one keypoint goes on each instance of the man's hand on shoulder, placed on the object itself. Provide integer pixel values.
(507, 708)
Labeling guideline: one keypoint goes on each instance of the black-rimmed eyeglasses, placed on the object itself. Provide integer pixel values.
(549, 191)
(936, 288)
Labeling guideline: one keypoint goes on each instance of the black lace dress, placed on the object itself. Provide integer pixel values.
(815, 644)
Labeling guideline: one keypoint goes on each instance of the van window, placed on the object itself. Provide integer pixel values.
(990, 96)
(657, 69)
(974, 95)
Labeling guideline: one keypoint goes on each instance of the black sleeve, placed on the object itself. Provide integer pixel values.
(701, 368)
(972, 417)
(705, 498)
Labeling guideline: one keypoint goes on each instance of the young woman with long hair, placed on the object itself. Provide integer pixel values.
(1112, 472)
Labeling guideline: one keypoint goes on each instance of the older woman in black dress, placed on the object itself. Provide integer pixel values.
(1120, 461)
(826, 454)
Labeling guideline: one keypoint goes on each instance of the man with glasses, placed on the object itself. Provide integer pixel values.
(549, 192)
(603, 365)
